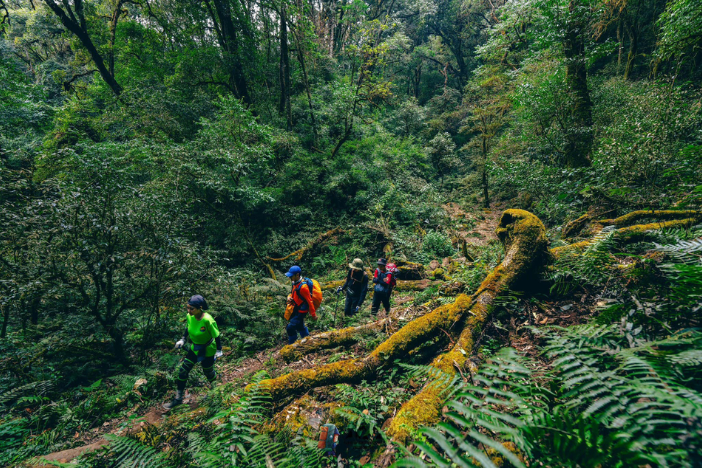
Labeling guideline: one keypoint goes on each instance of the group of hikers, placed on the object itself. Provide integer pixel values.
(206, 345)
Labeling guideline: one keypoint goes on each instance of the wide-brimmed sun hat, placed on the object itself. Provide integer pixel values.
(357, 264)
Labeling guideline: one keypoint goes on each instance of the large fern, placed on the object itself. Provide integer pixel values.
(127, 452)
(484, 414)
(612, 405)
(588, 268)
(238, 442)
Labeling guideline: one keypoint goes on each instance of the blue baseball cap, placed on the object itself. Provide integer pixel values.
(293, 270)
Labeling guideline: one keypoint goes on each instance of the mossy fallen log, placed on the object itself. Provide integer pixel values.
(524, 237)
(630, 218)
(298, 254)
(574, 227)
(332, 339)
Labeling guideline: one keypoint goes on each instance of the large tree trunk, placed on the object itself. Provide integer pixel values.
(284, 105)
(230, 44)
(579, 138)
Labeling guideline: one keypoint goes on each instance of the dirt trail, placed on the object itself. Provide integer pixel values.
(477, 228)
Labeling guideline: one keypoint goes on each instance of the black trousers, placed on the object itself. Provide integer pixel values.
(351, 303)
(188, 363)
(379, 298)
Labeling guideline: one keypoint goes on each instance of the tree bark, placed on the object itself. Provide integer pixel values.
(230, 43)
(579, 138)
(284, 104)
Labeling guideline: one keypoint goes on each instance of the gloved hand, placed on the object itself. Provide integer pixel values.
(218, 354)
(357, 309)
(339, 289)
(180, 343)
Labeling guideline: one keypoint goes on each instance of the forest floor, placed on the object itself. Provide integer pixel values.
(237, 373)
(477, 229)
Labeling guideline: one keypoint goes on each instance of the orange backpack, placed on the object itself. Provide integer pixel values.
(315, 292)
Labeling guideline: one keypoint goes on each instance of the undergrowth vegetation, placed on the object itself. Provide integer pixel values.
(151, 150)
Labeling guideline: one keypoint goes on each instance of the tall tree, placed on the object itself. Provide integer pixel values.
(73, 19)
(579, 138)
(231, 43)
(284, 105)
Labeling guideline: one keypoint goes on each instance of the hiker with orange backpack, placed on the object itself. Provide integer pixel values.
(300, 299)
(384, 283)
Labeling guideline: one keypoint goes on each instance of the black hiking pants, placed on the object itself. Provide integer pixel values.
(351, 303)
(379, 298)
(189, 362)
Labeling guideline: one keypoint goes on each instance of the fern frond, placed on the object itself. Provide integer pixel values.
(36, 388)
(130, 453)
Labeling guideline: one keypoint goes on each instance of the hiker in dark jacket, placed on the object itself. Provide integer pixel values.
(356, 287)
(384, 282)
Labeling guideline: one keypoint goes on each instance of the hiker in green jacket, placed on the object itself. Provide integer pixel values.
(206, 346)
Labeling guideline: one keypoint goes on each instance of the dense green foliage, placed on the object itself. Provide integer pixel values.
(154, 149)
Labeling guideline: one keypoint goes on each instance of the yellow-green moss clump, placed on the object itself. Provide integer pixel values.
(304, 416)
(630, 218)
(524, 237)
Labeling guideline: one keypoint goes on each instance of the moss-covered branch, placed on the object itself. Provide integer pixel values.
(331, 339)
(298, 254)
(402, 285)
(633, 233)
(630, 218)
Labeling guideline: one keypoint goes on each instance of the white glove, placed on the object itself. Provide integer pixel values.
(218, 354)
(180, 343)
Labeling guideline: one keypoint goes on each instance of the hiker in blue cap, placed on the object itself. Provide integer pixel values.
(301, 299)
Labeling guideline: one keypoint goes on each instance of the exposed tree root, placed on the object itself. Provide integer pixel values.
(298, 254)
(524, 237)
(630, 218)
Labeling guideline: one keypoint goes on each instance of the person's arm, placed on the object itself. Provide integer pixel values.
(376, 279)
(185, 335)
(346, 283)
(364, 290)
(307, 297)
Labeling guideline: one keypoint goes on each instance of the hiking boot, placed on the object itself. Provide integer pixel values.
(173, 403)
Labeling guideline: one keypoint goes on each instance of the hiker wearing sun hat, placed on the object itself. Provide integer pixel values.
(356, 287)
(384, 282)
